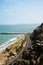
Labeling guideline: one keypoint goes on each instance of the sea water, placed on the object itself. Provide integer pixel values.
(21, 28)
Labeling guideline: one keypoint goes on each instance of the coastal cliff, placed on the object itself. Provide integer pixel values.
(33, 54)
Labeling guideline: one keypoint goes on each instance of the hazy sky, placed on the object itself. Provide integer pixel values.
(21, 11)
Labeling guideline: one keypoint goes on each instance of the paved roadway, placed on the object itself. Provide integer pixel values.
(27, 44)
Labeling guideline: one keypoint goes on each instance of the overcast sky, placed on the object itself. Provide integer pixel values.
(21, 11)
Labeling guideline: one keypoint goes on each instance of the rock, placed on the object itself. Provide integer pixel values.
(26, 55)
(37, 41)
(32, 55)
(22, 62)
(41, 42)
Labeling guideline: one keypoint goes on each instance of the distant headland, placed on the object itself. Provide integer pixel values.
(11, 33)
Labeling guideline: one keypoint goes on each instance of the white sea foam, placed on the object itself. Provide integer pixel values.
(4, 46)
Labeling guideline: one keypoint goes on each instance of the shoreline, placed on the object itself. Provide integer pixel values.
(11, 46)
(8, 43)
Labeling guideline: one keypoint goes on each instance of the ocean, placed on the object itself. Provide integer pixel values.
(21, 28)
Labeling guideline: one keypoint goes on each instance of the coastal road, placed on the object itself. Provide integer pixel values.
(27, 44)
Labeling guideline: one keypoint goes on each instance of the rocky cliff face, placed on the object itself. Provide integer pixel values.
(33, 55)
(37, 37)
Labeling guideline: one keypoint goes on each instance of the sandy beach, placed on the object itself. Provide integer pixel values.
(12, 45)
